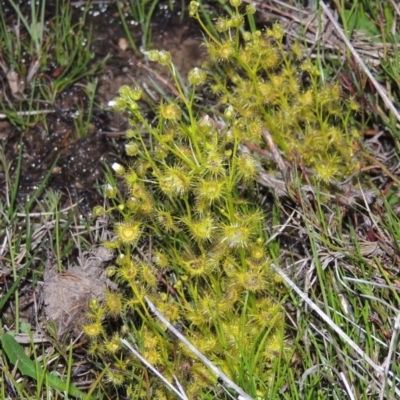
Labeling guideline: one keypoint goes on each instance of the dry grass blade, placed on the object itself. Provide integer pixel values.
(27, 113)
(347, 386)
(52, 213)
(361, 63)
(393, 342)
(395, 6)
(377, 368)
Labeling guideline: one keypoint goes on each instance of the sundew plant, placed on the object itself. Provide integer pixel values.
(189, 231)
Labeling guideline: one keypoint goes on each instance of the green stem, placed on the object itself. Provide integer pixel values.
(207, 32)
(189, 108)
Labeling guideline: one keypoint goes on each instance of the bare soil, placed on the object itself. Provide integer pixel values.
(79, 169)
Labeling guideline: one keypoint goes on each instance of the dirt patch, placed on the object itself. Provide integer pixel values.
(80, 159)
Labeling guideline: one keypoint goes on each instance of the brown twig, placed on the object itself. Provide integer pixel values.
(262, 152)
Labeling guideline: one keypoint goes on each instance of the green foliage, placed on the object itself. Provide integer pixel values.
(27, 367)
(42, 57)
(265, 86)
(190, 200)
(376, 24)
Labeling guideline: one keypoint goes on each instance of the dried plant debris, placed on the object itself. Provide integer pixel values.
(306, 24)
(65, 295)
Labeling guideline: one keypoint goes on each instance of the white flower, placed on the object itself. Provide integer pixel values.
(118, 168)
(110, 191)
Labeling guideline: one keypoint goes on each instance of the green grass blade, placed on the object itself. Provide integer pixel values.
(41, 186)
(15, 186)
(21, 274)
(27, 367)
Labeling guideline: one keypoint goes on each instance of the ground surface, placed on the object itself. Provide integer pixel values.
(80, 164)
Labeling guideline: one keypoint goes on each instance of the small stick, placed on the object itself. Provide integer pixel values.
(262, 152)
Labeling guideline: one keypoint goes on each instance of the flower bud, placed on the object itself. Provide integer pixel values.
(132, 204)
(178, 285)
(110, 191)
(118, 168)
(193, 8)
(276, 32)
(130, 134)
(229, 113)
(235, 3)
(136, 94)
(122, 259)
(221, 25)
(131, 149)
(130, 177)
(93, 304)
(250, 9)
(197, 76)
(164, 57)
(133, 106)
(154, 55)
(247, 36)
(171, 112)
(236, 21)
(98, 211)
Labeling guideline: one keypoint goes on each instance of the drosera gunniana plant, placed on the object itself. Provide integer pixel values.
(189, 231)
